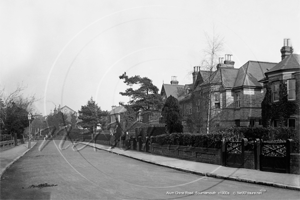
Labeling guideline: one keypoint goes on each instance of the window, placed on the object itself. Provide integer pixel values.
(291, 89)
(198, 105)
(260, 122)
(217, 99)
(276, 92)
(237, 100)
(252, 122)
(292, 123)
(237, 122)
(188, 109)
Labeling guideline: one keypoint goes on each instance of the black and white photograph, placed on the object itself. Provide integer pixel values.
(149, 99)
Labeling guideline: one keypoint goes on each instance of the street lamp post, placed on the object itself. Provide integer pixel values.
(29, 134)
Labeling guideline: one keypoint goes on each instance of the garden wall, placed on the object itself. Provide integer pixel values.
(294, 163)
(205, 155)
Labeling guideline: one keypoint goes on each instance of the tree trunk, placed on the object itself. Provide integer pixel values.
(208, 113)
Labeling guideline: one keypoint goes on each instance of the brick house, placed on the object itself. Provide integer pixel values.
(189, 101)
(248, 93)
(286, 72)
(227, 96)
(118, 113)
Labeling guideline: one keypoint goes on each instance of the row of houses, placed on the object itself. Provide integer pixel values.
(232, 96)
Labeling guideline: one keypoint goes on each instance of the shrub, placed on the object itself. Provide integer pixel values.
(232, 134)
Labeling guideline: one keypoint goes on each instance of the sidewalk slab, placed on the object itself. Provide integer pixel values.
(282, 180)
(8, 157)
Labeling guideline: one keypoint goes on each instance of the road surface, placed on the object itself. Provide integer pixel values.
(88, 174)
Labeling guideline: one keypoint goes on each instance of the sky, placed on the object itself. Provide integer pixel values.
(65, 52)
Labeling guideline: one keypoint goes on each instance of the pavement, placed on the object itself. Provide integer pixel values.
(8, 157)
(282, 180)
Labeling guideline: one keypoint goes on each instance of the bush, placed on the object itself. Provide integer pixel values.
(231, 134)
(252, 133)
(188, 139)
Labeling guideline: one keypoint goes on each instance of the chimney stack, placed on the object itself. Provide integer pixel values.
(195, 73)
(228, 62)
(220, 62)
(287, 48)
(174, 80)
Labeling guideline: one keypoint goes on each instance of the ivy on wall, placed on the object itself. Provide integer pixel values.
(280, 110)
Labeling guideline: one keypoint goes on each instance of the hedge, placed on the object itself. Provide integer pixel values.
(188, 139)
(270, 133)
(213, 140)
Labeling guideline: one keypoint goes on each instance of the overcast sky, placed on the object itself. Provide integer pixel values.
(66, 52)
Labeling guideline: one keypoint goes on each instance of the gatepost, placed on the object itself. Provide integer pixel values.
(288, 154)
(257, 154)
(223, 152)
(243, 144)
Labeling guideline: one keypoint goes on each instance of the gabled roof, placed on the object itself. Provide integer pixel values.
(225, 76)
(251, 72)
(117, 110)
(228, 76)
(172, 89)
(67, 108)
(290, 62)
(202, 77)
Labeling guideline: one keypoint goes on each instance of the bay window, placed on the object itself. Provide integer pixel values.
(217, 99)
(291, 89)
(275, 91)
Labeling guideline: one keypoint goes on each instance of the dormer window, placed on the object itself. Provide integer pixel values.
(291, 89)
(275, 91)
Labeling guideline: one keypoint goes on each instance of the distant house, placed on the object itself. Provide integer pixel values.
(172, 89)
(117, 113)
(286, 72)
(68, 112)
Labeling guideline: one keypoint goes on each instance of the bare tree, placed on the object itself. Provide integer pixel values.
(17, 97)
(209, 63)
(14, 98)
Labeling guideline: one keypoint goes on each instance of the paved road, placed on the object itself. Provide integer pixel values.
(89, 174)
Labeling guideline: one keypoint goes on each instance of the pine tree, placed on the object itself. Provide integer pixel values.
(172, 116)
(146, 97)
(56, 119)
(91, 115)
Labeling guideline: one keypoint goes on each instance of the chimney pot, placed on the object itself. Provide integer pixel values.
(287, 49)
(174, 80)
(228, 62)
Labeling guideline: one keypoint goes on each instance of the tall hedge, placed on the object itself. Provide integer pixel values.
(231, 134)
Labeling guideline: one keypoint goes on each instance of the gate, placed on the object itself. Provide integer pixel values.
(234, 154)
(275, 156)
